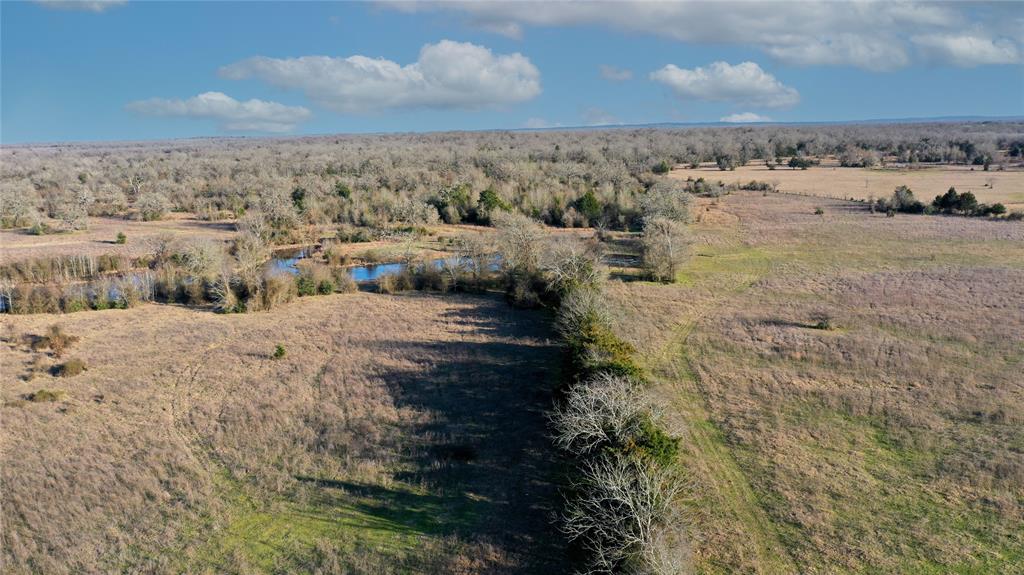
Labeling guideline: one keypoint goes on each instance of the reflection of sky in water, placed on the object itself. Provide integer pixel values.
(285, 262)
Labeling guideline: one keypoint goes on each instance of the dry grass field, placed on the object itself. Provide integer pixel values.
(831, 181)
(99, 239)
(396, 434)
(848, 387)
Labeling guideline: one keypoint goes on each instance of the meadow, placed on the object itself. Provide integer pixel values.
(186, 446)
(847, 387)
(584, 361)
(830, 180)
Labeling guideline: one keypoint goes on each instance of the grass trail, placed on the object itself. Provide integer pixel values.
(729, 268)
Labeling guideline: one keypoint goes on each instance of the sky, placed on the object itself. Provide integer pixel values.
(140, 70)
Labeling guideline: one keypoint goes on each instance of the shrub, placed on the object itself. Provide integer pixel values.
(278, 288)
(44, 395)
(655, 443)
(56, 340)
(661, 168)
(343, 282)
(801, 162)
(279, 352)
(818, 211)
(121, 238)
(71, 368)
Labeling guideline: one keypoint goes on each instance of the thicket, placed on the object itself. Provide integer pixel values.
(951, 203)
(625, 479)
(577, 178)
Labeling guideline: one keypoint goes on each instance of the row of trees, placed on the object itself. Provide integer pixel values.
(952, 203)
(578, 178)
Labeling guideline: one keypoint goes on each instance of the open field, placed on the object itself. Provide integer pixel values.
(100, 238)
(831, 181)
(888, 439)
(392, 436)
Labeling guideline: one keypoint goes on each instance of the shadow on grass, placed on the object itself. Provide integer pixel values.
(400, 510)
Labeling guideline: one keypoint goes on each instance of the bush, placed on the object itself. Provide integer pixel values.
(654, 443)
(801, 162)
(71, 368)
(279, 352)
(661, 168)
(818, 211)
(343, 282)
(277, 289)
(44, 395)
(56, 340)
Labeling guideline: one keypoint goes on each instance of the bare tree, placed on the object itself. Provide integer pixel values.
(520, 240)
(571, 263)
(475, 254)
(664, 245)
(605, 410)
(621, 506)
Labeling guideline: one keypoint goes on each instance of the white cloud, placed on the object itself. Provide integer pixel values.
(83, 5)
(595, 116)
(540, 123)
(744, 118)
(233, 116)
(446, 75)
(613, 74)
(967, 50)
(874, 35)
(744, 83)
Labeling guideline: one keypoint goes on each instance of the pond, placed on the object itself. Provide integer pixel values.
(286, 261)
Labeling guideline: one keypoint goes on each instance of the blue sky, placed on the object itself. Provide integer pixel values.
(149, 70)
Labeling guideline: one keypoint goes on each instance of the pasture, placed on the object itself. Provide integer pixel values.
(829, 180)
(396, 433)
(847, 387)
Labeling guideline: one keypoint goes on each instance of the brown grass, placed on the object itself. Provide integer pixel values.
(100, 238)
(391, 430)
(831, 181)
(888, 443)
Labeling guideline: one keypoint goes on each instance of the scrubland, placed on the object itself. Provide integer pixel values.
(615, 368)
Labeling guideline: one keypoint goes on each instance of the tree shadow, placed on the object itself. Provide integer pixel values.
(483, 453)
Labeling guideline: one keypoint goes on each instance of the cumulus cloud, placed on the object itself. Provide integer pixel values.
(744, 118)
(233, 115)
(83, 5)
(967, 50)
(446, 75)
(874, 35)
(613, 74)
(744, 83)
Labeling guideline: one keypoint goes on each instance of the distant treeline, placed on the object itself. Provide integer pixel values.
(570, 178)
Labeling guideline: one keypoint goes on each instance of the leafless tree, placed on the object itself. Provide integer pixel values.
(665, 246)
(520, 241)
(604, 410)
(571, 263)
(621, 505)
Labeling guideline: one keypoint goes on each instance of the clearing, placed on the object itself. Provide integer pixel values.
(831, 181)
(396, 433)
